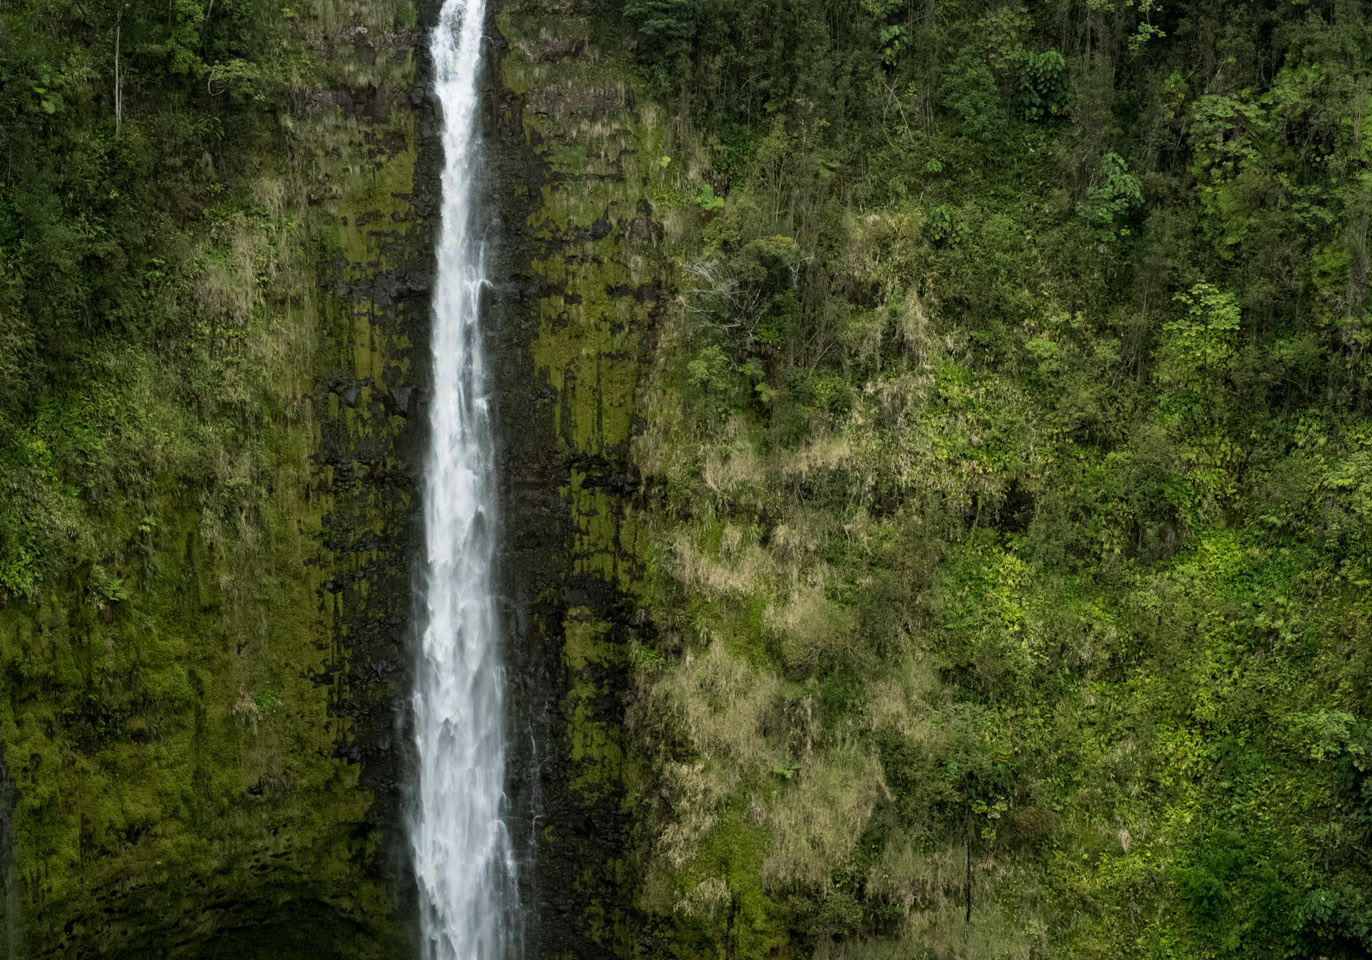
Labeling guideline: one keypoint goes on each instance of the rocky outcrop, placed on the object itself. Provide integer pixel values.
(581, 278)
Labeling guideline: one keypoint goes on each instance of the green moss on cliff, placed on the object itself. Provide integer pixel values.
(591, 242)
(173, 742)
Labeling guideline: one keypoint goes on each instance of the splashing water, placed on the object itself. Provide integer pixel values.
(463, 858)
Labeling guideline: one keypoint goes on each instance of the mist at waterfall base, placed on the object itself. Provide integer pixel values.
(463, 858)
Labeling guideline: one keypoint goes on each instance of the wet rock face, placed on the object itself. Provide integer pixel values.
(579, 280)
(369, 461)
(251, 805)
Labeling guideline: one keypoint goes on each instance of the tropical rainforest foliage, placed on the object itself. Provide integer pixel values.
(133, 243)
(1005, 461)
(1010, 455)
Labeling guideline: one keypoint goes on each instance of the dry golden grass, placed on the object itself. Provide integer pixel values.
(884, 245)
(270, 194)
(797, 539)
(731, 712)
(914, 328)
(813, 630)
(816, 820)
(246, 711)
(227, 285)
(912, 878)
(993, 934)
(695, 799)
(902, 700)
(706, 899)
(731, 709)
(739, 572)
(734, 470)
(832, 450)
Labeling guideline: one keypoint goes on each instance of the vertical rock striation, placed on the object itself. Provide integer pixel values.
(583, 276)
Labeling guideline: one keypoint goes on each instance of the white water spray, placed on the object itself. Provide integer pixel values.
(463, 858)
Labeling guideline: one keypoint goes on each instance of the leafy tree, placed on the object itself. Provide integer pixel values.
(1043, 84)
(668, 27)
(1198, 348)
(1119, 194)
(968, 91)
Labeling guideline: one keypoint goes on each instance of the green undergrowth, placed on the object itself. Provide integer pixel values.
(1006, 449)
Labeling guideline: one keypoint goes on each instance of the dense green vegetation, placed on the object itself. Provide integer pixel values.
(1009, 462)
(170, 764)
(1007, 471)
(135, 242)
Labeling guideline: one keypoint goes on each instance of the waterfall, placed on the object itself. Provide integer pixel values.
(463, 858)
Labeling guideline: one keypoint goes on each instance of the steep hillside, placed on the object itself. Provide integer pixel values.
(213, 256)
(1006, 451)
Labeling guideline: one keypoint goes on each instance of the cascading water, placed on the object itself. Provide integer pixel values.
(463, 858)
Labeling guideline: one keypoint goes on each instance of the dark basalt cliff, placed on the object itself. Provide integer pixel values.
(580, 280)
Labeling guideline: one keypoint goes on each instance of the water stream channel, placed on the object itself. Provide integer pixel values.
(463, 858)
